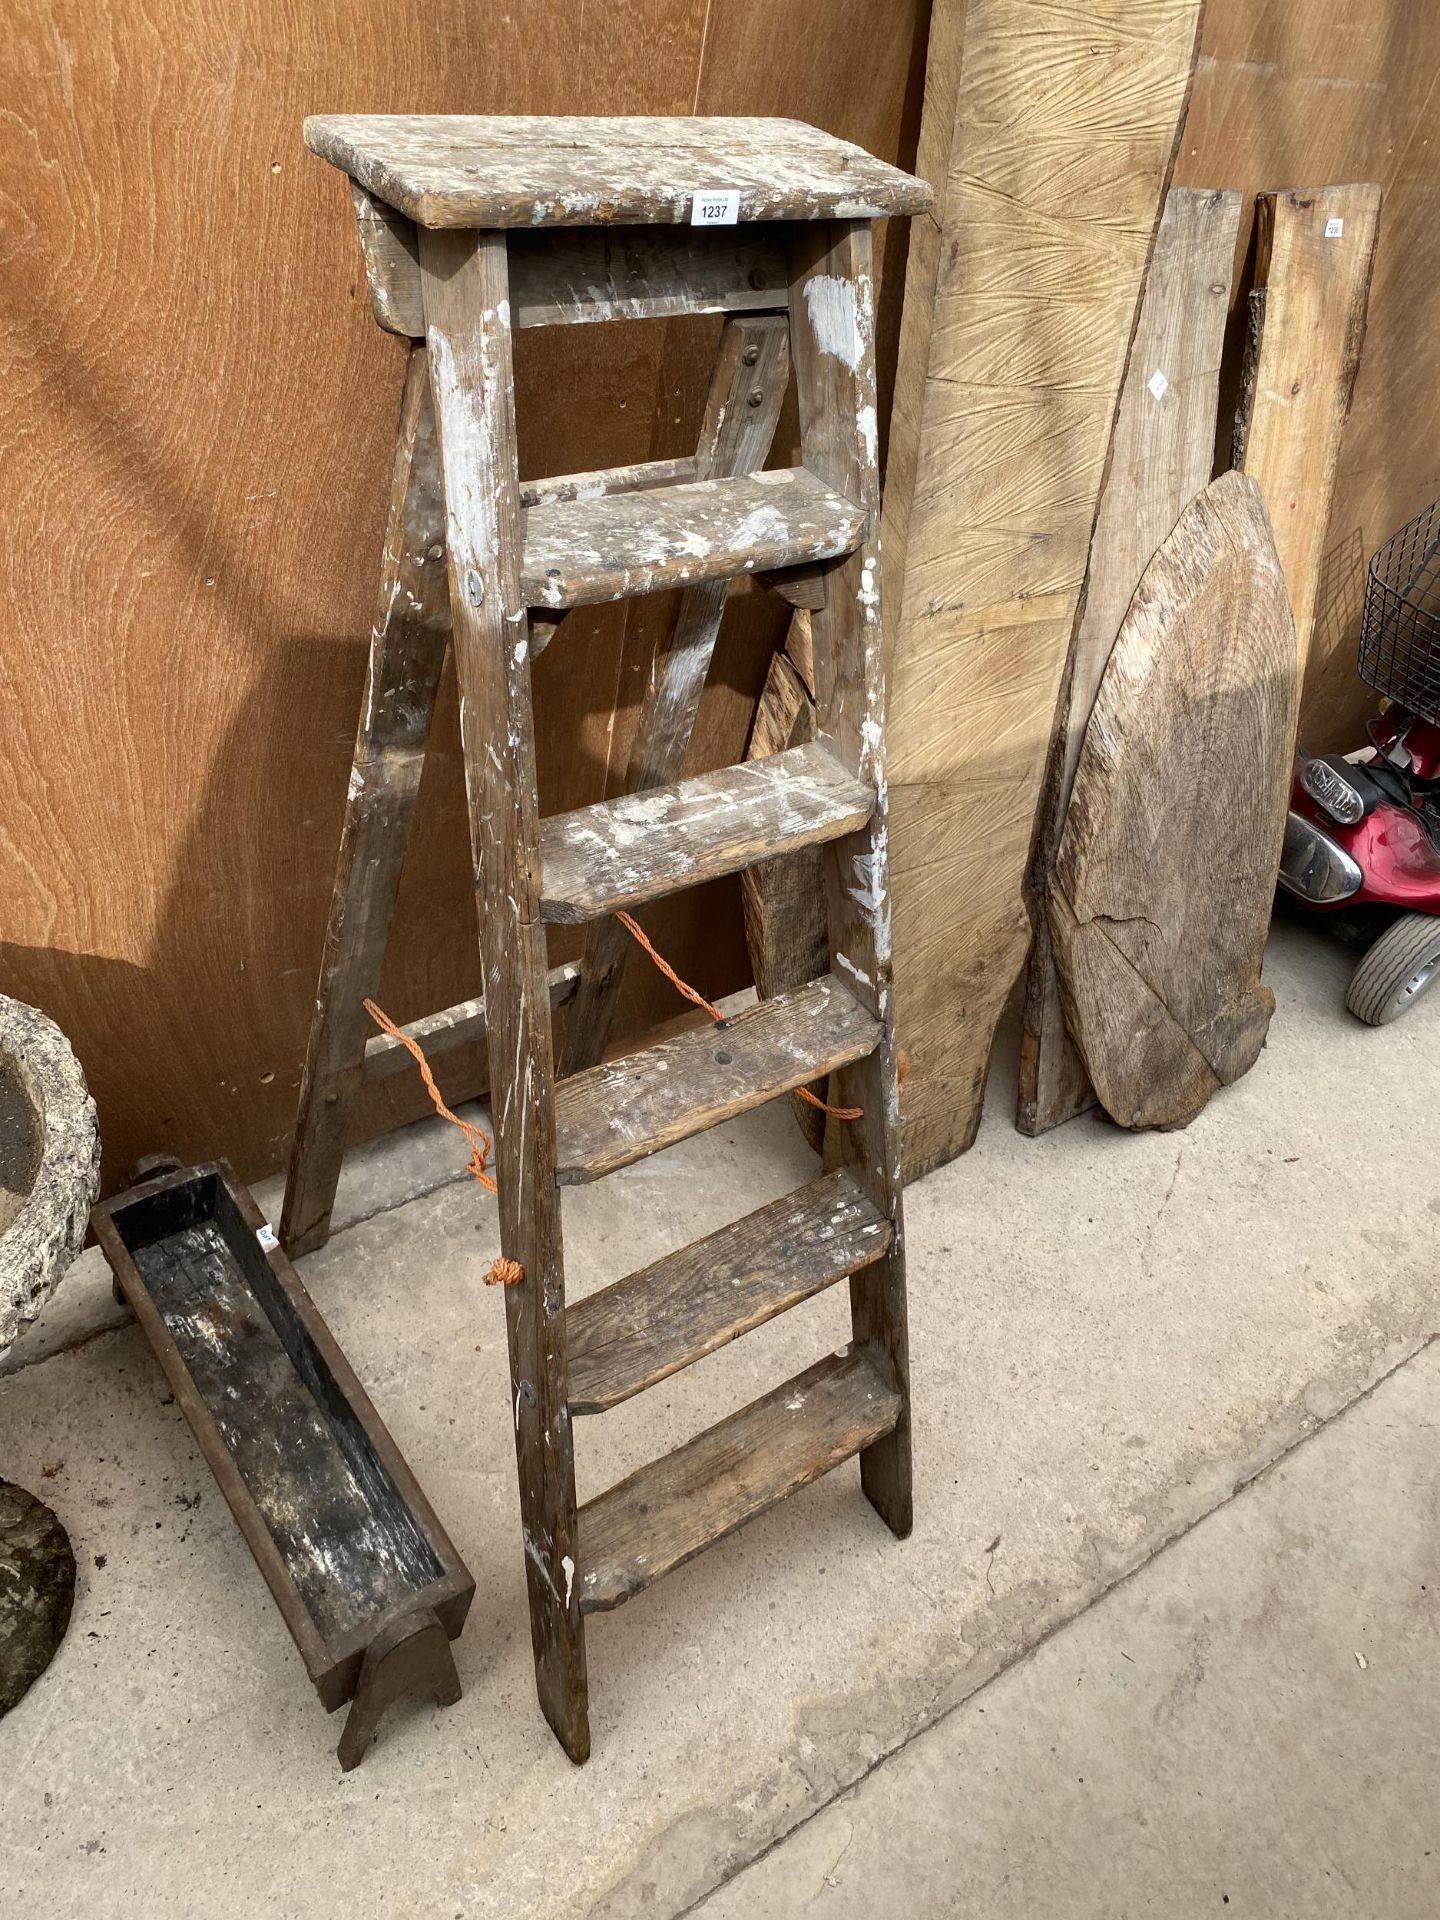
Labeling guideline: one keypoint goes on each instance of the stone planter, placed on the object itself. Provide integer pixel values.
(49, 1162)
(49, 1175)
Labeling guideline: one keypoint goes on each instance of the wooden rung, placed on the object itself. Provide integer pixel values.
(674, 1508)
(640, 478)
(642, 845)
(617, 1113)
(453, 1027)
(669, 1315)
(580, 552)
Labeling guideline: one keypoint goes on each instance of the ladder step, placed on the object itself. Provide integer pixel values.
(671, 1314)
(579, 552)
(463, 1025)
(677, 1506)
(642, 845)
(616, 1113)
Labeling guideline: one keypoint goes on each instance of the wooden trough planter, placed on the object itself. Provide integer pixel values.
(360, 1568)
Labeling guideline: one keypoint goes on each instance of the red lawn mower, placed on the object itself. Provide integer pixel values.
(1365, 832)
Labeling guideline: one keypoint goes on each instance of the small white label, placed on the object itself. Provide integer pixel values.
(267, 1237)
(1334, 229)
(1158, 384)
(715, 207)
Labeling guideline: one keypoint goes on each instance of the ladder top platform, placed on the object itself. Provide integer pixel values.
(521, 170)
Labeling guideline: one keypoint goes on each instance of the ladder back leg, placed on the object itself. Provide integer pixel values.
(407, 650)
(465, 289)
(742, 408)
(832, 327)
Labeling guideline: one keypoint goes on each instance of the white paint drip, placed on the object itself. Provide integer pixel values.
(830, 302)
(869, 437)
(534, 1555)
(569, 1565)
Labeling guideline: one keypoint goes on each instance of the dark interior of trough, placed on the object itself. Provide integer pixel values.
(347, 1537)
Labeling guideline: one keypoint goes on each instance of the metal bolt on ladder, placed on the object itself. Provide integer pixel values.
(470, 228)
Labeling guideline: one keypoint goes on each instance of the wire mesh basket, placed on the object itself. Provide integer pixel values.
(1400, 635)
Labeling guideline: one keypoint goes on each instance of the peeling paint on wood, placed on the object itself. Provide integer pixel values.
(583, 552)
(519, 170)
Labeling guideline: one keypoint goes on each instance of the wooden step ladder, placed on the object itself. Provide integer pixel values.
(470, 228)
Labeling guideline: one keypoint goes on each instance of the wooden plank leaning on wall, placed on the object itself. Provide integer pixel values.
(1315, 248)
(1003, 412)
(1161, 456)
(1312, 272)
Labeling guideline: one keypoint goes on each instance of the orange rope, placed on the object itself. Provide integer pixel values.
(480, 1142)
(699, 1000)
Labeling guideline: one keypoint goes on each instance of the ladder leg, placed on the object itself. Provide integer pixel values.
(467, 313)
(407, 650)
(746, 394)
(832, 326)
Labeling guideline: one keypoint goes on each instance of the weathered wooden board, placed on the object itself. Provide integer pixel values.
(471, 378)
(670, 1314)
(1161, 454)
(407, 649)
(621, 852)
(1303, 91)
(1160, 901)
(1068, 119)
(677, 1506)
(617, 1113)
(584, 275)
(519, 170)
(1314, 252)
(784, 900)
(578, 552)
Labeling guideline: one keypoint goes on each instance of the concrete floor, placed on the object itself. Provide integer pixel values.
(1250, 1724)
(1111, 1335)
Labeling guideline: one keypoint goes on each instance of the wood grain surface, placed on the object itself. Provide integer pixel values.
(1163, 884)
(617, 1113)
(580, 552)
(668, 1315)
(535, 170)
(197, 434)
(621, 852)
(1303, 93)
(676, 1506)
(1066, 124)
(1161, 454)
(1315, 248)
